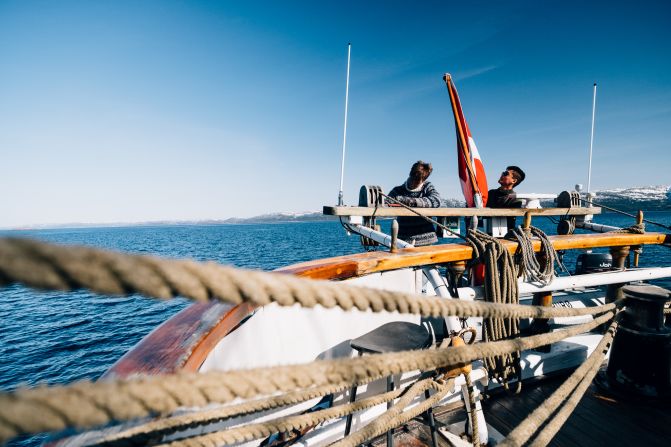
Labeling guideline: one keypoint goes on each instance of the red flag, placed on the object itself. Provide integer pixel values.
(471, 170)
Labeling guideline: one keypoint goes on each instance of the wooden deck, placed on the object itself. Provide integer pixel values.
(599, 419)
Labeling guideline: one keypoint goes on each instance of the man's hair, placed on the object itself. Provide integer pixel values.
(518, 174)
(421, 170)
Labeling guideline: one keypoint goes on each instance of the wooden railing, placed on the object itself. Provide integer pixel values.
(387, 211)
(350, 266)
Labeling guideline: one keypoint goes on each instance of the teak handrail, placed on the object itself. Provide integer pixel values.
(351, 266)
(386, 211)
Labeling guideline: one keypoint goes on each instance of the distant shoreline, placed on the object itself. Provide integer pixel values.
(233, 221)
(270, 219)
(649, 199)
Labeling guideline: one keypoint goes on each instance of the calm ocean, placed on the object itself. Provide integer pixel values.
(54, 337)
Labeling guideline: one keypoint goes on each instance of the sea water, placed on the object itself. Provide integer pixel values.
(58, 337)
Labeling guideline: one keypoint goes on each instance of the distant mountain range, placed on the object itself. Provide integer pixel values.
(308, 216)
(648, 198)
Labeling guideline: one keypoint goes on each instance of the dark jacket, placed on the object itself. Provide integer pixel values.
(504, 198)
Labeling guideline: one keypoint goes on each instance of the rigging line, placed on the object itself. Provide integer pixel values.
(428, 219)
(625, 213)
(560, 262)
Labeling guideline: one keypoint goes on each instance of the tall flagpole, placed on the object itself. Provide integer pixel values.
(344, 132)
(591, 144)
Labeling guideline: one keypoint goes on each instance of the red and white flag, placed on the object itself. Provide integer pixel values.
(471, 170)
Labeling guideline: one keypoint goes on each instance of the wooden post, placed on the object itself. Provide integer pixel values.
(614, 291)
(456, 270)
(541, 325)
(394, 236)
(637, 249)
(527, 223)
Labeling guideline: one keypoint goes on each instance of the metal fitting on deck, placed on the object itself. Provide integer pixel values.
(641, 353)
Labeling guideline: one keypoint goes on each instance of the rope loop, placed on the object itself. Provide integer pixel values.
(500, 287)
(530, 263)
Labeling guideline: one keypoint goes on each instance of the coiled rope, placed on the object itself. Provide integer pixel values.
(500, 288)
(529, 261)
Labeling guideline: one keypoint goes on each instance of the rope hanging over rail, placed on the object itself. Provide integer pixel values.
(501, 288)
(529, 261)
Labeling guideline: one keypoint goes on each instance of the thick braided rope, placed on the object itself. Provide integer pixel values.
(566, 396)
(259, 430)
(164, 426)
(56, 267)
(500, 287)
(638, 228)
(531, 267)
(475, 436)
(397, 415)
(551, 429)
(85, 405)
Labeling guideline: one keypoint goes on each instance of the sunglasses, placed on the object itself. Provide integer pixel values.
(505, 173)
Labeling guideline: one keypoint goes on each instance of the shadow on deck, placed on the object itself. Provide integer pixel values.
(599, 419)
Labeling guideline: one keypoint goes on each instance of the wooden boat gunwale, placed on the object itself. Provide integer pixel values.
(189, 348)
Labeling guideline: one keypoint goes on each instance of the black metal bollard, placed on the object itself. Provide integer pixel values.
(640, 358)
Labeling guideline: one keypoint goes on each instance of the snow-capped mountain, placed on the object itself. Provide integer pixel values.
(648, 198)
(659, 192)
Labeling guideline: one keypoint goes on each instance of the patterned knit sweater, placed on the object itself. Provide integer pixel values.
(415, 228)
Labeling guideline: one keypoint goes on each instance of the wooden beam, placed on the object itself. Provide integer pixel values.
(386, 211)
(351, 266)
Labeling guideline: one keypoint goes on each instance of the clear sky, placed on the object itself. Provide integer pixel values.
(127, 111)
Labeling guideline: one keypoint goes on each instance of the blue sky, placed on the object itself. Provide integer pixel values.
(127, 111)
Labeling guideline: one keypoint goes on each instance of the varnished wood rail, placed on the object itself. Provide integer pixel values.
(350, 266)
(388, 211)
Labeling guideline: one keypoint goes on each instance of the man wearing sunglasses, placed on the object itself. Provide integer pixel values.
(504, 196)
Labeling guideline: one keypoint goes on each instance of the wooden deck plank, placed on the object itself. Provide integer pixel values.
(598, 419)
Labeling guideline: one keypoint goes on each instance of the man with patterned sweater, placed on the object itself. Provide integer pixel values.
(417, 192)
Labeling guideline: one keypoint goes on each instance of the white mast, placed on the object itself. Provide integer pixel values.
(344, 133)
(591, 144)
